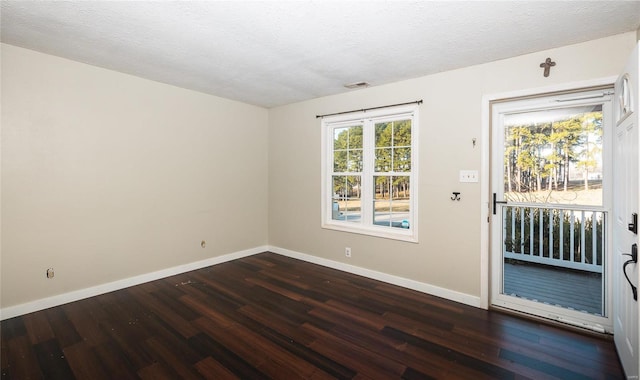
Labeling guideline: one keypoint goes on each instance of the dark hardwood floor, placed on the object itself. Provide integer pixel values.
(269, 316)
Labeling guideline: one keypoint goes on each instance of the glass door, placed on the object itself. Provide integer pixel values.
(550, 169)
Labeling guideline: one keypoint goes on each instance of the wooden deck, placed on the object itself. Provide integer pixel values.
(566, 288)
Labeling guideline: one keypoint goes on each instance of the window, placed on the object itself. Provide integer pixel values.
(370, 173)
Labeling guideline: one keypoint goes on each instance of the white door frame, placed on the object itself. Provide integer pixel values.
(485, 180)
(544, 103)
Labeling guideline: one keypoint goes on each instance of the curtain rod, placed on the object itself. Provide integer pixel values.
(368, 109)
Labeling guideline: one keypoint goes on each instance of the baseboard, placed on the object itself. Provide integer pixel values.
(384, 277)
(61, 299)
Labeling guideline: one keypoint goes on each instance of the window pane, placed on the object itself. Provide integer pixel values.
(340, 138)
(383, 134)
(554, 156)
(355, 160)
(393, 146)
(402, 159)
(340, 161)
(401, 205)
(347, 147)
(383, 160)
(347, 137)
(402, 133)
(346, 202)
(382, 201)
(391, 201)
(355, 137)
(339, 186)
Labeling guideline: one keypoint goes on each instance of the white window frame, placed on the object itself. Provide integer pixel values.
(368, 120)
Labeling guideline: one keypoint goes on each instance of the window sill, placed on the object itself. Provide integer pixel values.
(379, 232)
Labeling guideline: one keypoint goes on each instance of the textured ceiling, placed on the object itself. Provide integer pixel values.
(272, 53)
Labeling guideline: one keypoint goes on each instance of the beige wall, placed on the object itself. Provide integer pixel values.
(448, 254)
(106, 176)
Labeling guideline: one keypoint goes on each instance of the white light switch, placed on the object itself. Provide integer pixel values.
(468, 176)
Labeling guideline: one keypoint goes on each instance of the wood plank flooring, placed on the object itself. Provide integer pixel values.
(269, 316)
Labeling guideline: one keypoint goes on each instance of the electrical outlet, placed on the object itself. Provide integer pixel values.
(468, 176)
(347, 251)
(50, 273)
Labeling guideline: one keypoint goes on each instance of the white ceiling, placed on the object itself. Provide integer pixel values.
(271, 53)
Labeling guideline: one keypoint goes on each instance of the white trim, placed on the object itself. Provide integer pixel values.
(367, 121)
(382, 113)
(606, 81)
(375, 231)
(437, 291)
(485, 212)
(485, 183)
(495, 113)
(61, 299)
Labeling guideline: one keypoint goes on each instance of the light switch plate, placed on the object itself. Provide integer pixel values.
(468, 176)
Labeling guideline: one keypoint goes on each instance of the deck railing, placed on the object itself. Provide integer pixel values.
(562, 237)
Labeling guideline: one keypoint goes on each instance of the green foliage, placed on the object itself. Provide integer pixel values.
(347, 158)
(392, 155)
(347, 149)
(539, 155)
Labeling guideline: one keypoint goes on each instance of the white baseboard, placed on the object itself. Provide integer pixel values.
(45, 303)
(61, 299)
(384, 277)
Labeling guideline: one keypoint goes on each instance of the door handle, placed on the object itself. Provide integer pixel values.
(634, 259)
(495, 202)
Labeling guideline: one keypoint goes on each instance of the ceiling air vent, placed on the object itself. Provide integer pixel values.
(357, 85)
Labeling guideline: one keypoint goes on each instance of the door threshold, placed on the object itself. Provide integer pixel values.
(552, 322)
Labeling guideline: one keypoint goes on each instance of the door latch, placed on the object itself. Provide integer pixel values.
(495, 202)
(633, 226)
(634, 259)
